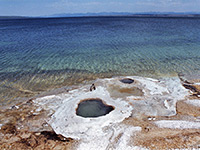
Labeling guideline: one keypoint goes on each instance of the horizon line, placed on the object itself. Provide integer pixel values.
(93, 14)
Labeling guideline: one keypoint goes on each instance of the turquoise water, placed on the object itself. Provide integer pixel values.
(41, 54)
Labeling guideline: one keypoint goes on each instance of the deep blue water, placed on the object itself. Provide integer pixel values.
(40, 54)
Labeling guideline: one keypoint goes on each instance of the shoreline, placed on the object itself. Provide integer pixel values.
(27, 121)
(23, 94)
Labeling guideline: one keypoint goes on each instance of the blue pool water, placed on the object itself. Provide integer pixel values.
(41, 54)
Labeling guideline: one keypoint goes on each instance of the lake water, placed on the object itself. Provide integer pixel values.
(41, 54)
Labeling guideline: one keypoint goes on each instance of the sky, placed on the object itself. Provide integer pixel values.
(49, 7)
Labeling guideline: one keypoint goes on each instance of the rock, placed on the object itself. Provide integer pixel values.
(59, 147)
(13, 139)
(37, 134)
(51, 144)
(40, 147)
(25, 135)
(32, 141)
(8, 128)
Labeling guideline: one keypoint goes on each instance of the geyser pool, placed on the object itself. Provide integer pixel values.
(93, 108)
(127, 80)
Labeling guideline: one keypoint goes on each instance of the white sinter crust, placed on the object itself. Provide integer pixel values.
(149, 97)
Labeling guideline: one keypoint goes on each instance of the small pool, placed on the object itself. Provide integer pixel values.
(127, 80)
(93, 108)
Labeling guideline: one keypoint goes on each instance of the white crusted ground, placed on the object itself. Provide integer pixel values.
(159, 99)
(116, 136)
(194, 102)
(66, 122)
(160, 96)
(178, 124)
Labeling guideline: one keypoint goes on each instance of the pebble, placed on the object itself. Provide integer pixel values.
(14, 107)
(25, 135)
(37, 134)
(151, 118)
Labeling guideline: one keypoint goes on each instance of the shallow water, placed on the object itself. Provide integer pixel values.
(41, 54)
